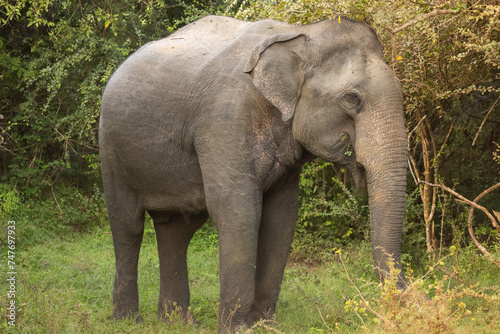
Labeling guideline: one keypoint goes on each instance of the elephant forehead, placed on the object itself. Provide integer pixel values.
(347, 35)
(346, 64)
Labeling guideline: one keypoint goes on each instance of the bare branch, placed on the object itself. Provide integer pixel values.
(471, 214)
(415, 128)
(422, 18)
(481, 195)
(465, 200)
(473, 205)
(324, 322)
(451, 275)
(410, 167)
(497, 214)
(484, 120)
(448, 135)
(476, 242)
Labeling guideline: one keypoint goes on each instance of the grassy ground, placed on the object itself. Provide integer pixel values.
(64, 286)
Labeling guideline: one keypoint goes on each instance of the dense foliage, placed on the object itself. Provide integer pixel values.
(56, 56)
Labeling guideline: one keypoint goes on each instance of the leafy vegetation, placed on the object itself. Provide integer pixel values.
(55, 58)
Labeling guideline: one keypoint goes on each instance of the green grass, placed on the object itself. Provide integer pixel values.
(64, 286)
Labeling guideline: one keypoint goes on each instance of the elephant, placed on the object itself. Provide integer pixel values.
(216, 121)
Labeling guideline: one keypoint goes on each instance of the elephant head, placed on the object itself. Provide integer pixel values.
(339, 92)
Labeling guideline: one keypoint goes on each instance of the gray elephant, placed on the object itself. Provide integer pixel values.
(216, 121)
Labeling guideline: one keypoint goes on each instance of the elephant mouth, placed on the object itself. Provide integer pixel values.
(358, 176)
(347, 159)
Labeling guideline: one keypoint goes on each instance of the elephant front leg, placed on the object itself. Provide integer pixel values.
(237, 218)
(279, 216)
(173, 237)
(237, 279)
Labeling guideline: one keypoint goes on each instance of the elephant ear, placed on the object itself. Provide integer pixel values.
(276, 70)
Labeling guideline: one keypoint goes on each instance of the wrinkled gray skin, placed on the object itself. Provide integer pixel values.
(216, 120)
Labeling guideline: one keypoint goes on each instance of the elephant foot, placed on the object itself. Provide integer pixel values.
(177, 315)
(235, 330)
(260, 314)
(136, 317)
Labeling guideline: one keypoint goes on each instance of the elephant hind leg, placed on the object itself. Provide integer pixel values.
(173, 237)
(127, 229)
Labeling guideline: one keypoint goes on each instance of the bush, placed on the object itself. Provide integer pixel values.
(55, 58)
(60, 214)
(9, 201)
(328, 209)
(439, 301)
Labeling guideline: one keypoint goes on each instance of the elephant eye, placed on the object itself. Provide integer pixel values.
(352, 100)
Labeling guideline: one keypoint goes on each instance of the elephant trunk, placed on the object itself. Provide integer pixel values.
(382, 150)
(387, 208)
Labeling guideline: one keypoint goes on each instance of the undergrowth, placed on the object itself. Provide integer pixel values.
(432, 303)
(65, 286)
(65, 276)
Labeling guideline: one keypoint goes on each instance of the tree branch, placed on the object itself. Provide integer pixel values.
(422, 18)
(465, 200)
(481, 195)
(484, 121)
(473, 205)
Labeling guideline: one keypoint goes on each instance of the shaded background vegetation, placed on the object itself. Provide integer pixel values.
(57, 55)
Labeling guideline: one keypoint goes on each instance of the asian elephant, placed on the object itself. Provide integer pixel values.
(216, 121)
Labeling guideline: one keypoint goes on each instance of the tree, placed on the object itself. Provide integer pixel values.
(56, 56)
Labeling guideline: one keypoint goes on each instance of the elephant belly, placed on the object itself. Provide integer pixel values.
(186, 201)
(165, 184)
